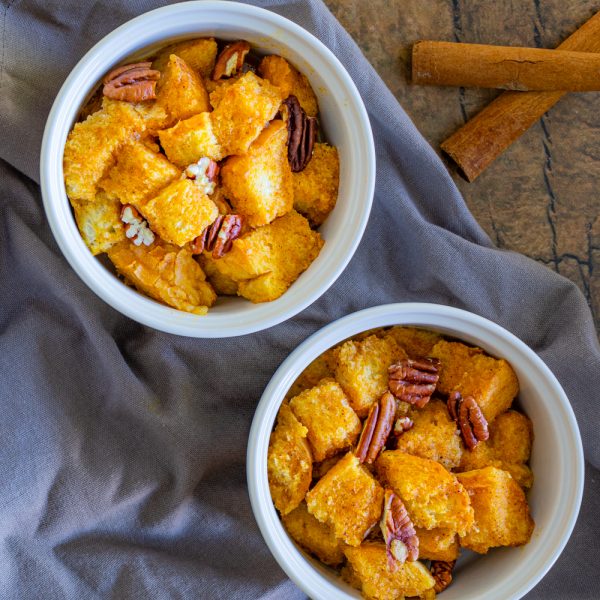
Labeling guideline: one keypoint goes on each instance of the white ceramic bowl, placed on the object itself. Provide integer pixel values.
(343, 117)
(556, 460)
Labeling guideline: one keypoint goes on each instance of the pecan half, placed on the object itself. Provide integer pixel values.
(218, 237)
(376, 429)
(466, 412)
(204, 174)
(302, 134)
(413, 380)
(230, 60)
(131, 83)
(136, 228)
(441, 571)
(399, 534)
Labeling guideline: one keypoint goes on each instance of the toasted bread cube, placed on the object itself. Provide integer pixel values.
(437, 544)
(313, 536)
(138, 174)
(320, 468)
(180, 213)
(348, 499)
(417, 342)
(433, 496)
(259, 183)
(434, 435)
(362, 370)
(166, 273)
(289, 80)
(222, 283)
(199, 54)
(91, 146)
(216, 89)
(99, 222)
(245, 107)
(320, 368)
(289, 462)
(369, 565)
(332, 424)
(316, 187)
(492, 382)
(501, 511)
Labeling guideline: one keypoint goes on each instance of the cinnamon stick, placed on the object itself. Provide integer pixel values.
(505, 67)
(475, 145)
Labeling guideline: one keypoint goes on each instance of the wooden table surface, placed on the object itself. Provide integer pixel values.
(539, 198)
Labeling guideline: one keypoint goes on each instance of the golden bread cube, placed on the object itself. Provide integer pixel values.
(138, 174)
(99, 222)
(332, 424)
(245, 108)
(190, 140)
(199, 54)
(259, 183)
(501, 511)
(166, 273)
(289, 462)
(320, 368)
(320, 468)
(437, 544)
(222, 283)
(290, 81)
(433, 496)
(91, 146)
(315, 537)
(180, 212)
(368, 565)
(216, 89)
(362, 370)
(348, 499)
(434, 435)
(492, 382)
(316, 187)
(416, 342)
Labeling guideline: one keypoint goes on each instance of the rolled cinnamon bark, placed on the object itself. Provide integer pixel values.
(477, 144)
(504, 67)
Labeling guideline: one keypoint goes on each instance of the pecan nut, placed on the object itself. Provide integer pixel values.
(302, 134)
(376, 429)
(466, 412)
(414, 380)
(204, 174)
(230, 60)
(218, 237)
(132, 83)
(136, 228)
(401, 541)
(441, 571)
(402, 424)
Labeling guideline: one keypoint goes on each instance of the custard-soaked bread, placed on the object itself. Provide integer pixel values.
(332, 424)
(222, 283)
(434, 435)
(289, 80)
(91, 146)
(348, 499)
(313, 536)
(437, 544)
(492, 382)
(316, 187)
(416, 342)
(433, 496)
(508, 448)
(200, 55)
(362, 370)
(501, 511)
(244, 109)
(138, 174)
(259, 183)
(190, 140)
(99, 222)
(289, 462)
(166, 273)
(320, 368)
(368, 565)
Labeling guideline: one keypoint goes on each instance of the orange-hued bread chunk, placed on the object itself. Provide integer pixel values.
(501, 511)
(320, 368)
(99, 222)
(348, 499)
(316, 187)
(259, 183)
(416, 342)
(432, 495)
(332, 424)
(166, 273)
(289, 462)
(492, 382)
(437, 544)
(199, 55)
(222, 283)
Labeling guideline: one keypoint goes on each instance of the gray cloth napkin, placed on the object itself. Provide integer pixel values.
(122, 449)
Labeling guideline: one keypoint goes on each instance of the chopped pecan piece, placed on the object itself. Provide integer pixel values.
(230, 60)
(132, 83)
(402, 424)
(204, 174)
(441, 571)
(376, 429)
(218, 237)
(302, 134)
(136, 228)
(414, 380)
(466, 412)
(400, 537)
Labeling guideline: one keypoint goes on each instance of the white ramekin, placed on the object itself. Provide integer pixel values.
(343, 117)
(556, 461)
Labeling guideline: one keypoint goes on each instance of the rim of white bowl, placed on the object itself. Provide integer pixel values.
(123, 42)
(464, 324)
